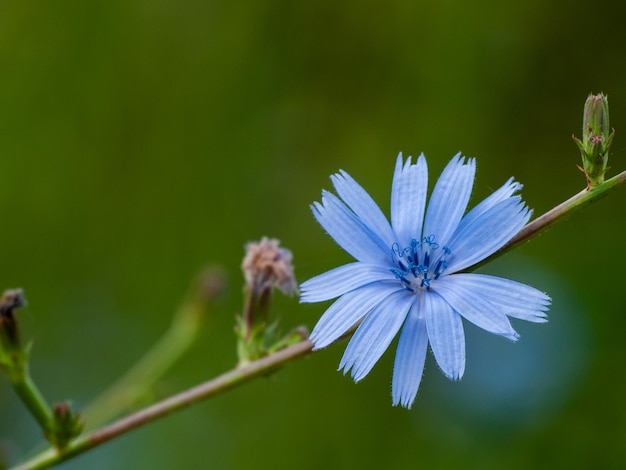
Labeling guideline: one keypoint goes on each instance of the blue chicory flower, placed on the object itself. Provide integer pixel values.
(408, 274)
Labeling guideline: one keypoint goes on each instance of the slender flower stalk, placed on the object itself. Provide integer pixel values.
(184, 330)
(14, 360)
(58, 423)
(408, 274)
(563, 210)
(216, 386)
(30, 395)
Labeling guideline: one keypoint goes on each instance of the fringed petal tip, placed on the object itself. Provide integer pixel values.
(513, 337)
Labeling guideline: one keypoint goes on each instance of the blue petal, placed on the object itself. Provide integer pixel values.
(512, 298)
(449, 199)
(408, 199)
(487, 233)
(349, 231)
(346, 311)
(504, 192)
(363, 206)
(446, 336)
(475, 308)
(343, 279)
(373, 336)
(410, 356)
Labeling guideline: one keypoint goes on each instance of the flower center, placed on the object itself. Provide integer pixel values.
(418, 264)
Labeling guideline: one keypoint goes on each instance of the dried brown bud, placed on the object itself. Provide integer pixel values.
(266, 265)
(11, 300)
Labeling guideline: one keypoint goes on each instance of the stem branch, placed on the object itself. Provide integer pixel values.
(213, 387)
(544, 221)
(33, 399)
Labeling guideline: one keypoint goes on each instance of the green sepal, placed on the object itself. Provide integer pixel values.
(65, 425)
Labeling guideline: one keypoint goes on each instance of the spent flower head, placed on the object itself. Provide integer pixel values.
(10, 301)
(408, 274)
(266, 265)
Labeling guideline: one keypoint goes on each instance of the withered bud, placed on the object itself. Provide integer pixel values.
(9, 302)
(11, 299)
(266, 265)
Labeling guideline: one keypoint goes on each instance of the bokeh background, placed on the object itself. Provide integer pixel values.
(142, 140)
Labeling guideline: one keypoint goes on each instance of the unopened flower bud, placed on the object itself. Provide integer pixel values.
(65, 425)
(597, 138)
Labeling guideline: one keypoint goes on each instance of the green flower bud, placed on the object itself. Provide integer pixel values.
(65, 425)
(597, 138)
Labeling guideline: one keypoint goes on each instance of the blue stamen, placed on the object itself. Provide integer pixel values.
(441, 266)
(430, 241)
(409, 271)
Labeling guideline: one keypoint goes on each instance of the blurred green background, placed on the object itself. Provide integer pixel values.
(142, 140)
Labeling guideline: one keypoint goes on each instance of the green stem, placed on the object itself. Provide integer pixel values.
(32, 398)
(142, 377)
(14, 360)
(564, 209)
(216, 386)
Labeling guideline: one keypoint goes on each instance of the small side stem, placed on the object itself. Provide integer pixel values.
(14, 360)
(142, 377)
(33, 399)
(213, 387)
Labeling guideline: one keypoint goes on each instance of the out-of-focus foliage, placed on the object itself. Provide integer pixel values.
(141, 140)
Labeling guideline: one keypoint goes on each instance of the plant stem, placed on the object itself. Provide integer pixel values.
(564, 209)
(14, 360)
(213, 387)
(32, 398)
(142, 377)
(243, 374)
